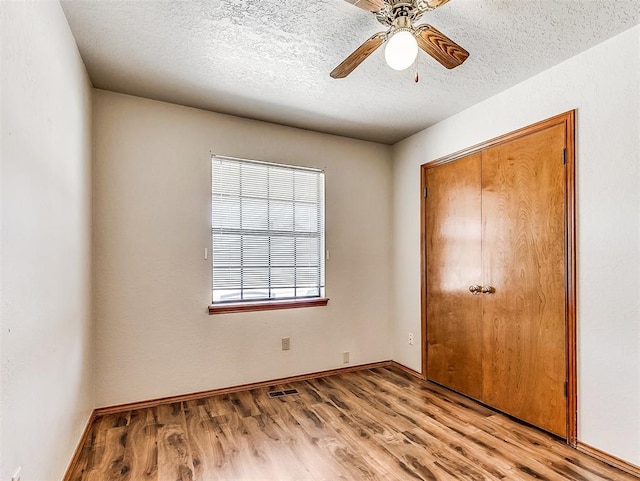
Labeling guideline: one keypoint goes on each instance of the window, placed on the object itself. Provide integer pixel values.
(267, 232)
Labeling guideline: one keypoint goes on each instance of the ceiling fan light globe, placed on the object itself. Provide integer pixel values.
(401, 50)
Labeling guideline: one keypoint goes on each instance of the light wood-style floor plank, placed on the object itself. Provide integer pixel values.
(377, 424)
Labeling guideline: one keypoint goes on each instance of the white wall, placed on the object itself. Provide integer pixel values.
(46, 358)
(152, 190)
(603, 84)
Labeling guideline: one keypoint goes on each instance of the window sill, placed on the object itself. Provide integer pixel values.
(267, 305)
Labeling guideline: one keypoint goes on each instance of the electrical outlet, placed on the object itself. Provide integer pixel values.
(345, 357)
(411, 338)
(16, 476)
(286, 343)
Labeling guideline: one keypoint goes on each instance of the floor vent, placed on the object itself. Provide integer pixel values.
(286, 392)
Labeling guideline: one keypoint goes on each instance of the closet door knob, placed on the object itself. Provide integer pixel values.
(488, 289)
(474, 289)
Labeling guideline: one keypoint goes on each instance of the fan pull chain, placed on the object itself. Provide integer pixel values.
(416, 78)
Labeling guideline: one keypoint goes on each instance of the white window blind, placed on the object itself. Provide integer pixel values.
(267, 231)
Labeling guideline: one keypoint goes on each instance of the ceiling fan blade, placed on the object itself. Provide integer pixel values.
(440, 47)
(349, 64)
(436, 3)
(372, 5)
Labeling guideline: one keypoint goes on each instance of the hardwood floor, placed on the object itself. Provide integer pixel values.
(377, 424)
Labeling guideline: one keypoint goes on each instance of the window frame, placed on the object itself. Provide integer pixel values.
(273, 303)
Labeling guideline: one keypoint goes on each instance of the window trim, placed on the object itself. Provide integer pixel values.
(247, 306)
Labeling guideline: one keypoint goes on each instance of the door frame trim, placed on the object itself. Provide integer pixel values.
(568, 119)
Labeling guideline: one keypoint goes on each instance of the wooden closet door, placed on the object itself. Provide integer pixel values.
(523, 232)
(453, 260)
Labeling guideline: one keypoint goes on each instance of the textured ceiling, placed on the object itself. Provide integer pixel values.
(270, 59)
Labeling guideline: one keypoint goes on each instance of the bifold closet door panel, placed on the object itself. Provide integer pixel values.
(524, 358)
(453, 250)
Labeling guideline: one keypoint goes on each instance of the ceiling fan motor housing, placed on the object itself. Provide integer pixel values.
(398, 9)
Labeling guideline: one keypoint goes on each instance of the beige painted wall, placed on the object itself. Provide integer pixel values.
(603, 84)
(46, 356)
(152, 188)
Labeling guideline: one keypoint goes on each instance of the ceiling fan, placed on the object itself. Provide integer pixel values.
(402, 37)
